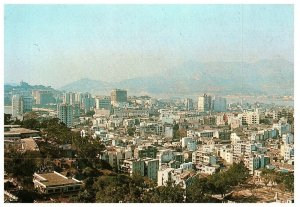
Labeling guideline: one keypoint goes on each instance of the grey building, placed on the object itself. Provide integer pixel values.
(119, 95)
(65, 114)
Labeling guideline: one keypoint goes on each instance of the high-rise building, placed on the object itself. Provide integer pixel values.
(76, 110)
(16, 106)
(87, 102)
(69, 98)
(65, 114)
(119, 95)
(204, 103)
(219, 104)
(43, 97)
(103, 102)
(188, 103)
(20, 105)
(78, 98)
(27, 103)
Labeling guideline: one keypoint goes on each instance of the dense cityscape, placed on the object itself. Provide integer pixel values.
(148, 103)
(63, 146)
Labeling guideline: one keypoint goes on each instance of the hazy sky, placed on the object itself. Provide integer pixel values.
(57, 44)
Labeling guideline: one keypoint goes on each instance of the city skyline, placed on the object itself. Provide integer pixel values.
(105, 40)
(145, 103)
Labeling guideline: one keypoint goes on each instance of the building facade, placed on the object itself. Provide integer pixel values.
(204, 103)
(220, 104)
(119, 95)
(65, 114)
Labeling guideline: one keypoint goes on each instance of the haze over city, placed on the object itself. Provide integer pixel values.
(148, 104)
(58, 44)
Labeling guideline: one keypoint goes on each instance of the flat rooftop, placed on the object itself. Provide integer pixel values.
(55, 179)
(20, 131)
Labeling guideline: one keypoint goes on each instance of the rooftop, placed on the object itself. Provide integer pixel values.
(29, 144)
(20, 131)
(54, 179)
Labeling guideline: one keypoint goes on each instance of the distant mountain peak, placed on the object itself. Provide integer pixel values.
(192, 77)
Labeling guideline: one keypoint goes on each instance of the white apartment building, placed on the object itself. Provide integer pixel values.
(176, 176)
(116, 155)
(204, 103)
(199, 157)
(234, 122)
(209, 169)
(20, 105)
(234, 138)
(208, 133)
(164, 176)
(220, 120)
(132, 166)
(250, 118)
(226, 154)
(187, 166)
(287, 151)
(239, 149)
(17, 109)
(69, 98)
(168, 131)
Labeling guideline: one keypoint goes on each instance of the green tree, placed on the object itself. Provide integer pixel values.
(84, 197)
(90, 113)
(288, 182)
(165, 194)
(27, 196)
(121, 188)
(131, 131)
(7, 119)
(30, 115)
(222, 182)
(199, 191)
(31, 124)
(20, 164)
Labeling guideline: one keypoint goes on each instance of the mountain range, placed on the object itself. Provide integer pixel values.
(264, 77)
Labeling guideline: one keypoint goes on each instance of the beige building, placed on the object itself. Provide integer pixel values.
(55, 182)
(250, 118)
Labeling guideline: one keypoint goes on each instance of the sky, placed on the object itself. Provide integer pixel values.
(58, 44)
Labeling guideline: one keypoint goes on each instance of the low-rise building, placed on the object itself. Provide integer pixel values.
(55, 182)
(132, 166)
(256, 161)
(208, 169)
(199, 157)
(145, 151)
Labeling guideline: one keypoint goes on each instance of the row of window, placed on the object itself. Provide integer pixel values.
(58, 190)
